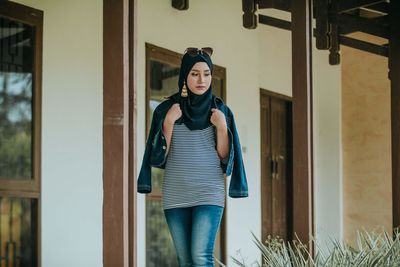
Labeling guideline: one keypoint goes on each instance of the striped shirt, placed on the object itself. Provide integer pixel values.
(193, 174)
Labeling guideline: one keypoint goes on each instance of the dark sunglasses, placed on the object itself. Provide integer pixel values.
(194, 51)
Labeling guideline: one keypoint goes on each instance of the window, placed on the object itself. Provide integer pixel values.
(162, 74)
(20, 123)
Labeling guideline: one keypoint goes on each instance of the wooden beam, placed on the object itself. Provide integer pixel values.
(274, 22)
(349, 5)
(349, 23)
(380, 7)
(394, 75)
(284, 5)
(116, 82)
(381, 50)
(303, 224)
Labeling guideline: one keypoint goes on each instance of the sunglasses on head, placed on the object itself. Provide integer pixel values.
(194, 51)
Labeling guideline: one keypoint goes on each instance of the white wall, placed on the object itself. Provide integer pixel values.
(71, 132)
(328, 171)
(275, 55)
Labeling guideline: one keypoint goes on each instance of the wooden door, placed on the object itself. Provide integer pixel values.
(276, 162)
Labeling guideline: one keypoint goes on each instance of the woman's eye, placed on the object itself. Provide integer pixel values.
(194, 74)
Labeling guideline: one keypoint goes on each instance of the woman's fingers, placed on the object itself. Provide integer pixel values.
(174, 113)
(217, 118)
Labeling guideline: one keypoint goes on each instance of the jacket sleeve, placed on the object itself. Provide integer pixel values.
(238, 186)
(227, 163)
(154, 154)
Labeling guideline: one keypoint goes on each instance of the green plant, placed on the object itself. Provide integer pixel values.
(372, 249)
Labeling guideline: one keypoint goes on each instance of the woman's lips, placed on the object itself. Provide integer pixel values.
(200, 87)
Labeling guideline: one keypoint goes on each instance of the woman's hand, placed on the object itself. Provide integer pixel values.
(173, 114)
(218, 119)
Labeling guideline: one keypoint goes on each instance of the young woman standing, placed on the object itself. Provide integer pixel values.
(193, 137)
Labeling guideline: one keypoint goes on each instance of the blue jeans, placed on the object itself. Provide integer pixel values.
(194, 230)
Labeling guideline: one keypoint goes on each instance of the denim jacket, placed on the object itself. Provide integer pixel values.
(155, 151)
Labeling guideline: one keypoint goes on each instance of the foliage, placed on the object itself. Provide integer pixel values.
(372, 249)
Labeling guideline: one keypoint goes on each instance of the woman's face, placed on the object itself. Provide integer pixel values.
(199, 78)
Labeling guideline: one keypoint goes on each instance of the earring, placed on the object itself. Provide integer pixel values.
(184, 92)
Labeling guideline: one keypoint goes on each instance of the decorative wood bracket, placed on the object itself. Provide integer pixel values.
(322, 26)
(180, 4)
(249, 17)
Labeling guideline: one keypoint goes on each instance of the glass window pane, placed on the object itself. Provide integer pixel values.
(163, 80)
(216, 84)
(159, 247)
(18, 218)
(16, 89)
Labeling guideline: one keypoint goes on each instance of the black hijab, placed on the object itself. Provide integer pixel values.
(196, 109)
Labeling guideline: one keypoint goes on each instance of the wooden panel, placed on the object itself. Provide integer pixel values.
(116, 132)
(394, 65)
(276, 168)
(279, 183)
(266, 166)
(274, 22)
(302, 120)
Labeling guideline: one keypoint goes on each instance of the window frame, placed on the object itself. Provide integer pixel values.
(32, 17)
(31, 188)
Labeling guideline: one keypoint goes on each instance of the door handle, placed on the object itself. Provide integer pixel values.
(274, 167)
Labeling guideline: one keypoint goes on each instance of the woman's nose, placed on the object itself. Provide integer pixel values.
(201, 78)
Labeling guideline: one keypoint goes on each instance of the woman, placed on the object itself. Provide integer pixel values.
(193, 137)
